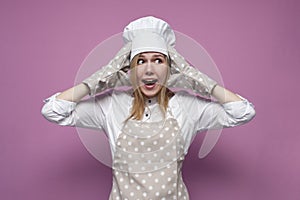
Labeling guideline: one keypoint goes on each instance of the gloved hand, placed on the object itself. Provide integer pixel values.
(111, 75)
(183, 75)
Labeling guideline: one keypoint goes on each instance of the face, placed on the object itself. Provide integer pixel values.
(151, 72)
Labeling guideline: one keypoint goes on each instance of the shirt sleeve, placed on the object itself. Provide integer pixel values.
(88, 113)
(213, 115)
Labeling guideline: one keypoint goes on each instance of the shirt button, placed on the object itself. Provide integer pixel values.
(149, 101)
(147, 115)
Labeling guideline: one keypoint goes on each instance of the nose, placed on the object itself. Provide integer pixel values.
(149, 69)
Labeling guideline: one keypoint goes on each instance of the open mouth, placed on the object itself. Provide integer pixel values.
(149, 82)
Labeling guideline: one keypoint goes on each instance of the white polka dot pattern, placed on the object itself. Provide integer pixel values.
(112, 74)
(183, 75)
(147, 162)
(143, 153)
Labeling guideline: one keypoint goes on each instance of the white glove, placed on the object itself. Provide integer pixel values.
(183, 75)
(111, 75)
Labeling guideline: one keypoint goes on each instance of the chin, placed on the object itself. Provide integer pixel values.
(151, 93)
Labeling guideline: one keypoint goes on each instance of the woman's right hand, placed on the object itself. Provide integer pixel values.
(111, 74)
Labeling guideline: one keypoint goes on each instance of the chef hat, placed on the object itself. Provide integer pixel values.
(149, 34)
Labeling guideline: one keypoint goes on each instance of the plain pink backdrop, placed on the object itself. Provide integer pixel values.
(255, 45)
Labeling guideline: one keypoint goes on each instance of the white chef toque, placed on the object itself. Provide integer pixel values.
(149, 34)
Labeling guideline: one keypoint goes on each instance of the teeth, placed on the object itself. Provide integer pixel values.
(149, 82)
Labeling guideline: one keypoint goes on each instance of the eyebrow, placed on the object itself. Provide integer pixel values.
(158, 55)
(155, 55)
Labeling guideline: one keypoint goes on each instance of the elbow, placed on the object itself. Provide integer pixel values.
(52, 116)
(45, 111)
(241, 116)
(48, 113)
(251, 114)
(57, 111)
(245, 118)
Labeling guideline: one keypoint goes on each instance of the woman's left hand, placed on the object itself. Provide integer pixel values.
(192, 78)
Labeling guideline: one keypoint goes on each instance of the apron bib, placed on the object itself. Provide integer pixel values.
(147, 162)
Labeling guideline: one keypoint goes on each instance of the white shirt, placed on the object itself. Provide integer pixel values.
(108, 112)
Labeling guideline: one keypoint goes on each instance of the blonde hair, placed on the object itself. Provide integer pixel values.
(138, 106)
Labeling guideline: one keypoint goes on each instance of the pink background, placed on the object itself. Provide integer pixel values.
(254, 43)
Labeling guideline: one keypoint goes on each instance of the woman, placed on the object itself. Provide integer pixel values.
(149, 127)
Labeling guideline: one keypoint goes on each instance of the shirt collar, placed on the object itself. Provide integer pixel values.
(151, 101)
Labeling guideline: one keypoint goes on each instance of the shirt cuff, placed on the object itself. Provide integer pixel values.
(238, 109)
(60, 106)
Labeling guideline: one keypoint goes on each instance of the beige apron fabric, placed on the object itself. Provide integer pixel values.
(147, 162)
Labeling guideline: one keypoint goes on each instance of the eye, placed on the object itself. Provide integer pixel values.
(140, 61)
(158, 61)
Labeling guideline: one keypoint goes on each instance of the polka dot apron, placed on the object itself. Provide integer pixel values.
(147, 162)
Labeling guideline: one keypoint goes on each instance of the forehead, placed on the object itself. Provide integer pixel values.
(151, 54)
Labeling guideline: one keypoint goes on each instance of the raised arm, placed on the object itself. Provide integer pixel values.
(69, 109)
(74, 94)
(223, 95)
